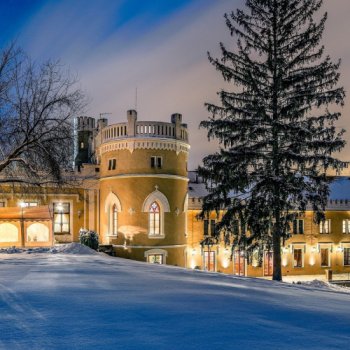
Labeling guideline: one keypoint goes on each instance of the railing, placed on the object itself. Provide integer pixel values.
(145, 129)
(114, 131)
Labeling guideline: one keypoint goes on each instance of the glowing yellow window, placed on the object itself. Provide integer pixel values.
(154, 219)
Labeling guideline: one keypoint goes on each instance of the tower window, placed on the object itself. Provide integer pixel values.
(156, 162)
(112, 164)
(114, 220)
(156, 259)
(154, 219)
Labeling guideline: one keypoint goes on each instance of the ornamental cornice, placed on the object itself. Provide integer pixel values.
(159, 176)
(145, 143)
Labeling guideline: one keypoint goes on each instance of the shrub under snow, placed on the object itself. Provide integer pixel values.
(88, 238)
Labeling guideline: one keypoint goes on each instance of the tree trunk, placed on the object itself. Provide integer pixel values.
(276, 242)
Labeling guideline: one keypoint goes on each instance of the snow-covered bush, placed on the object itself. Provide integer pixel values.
(88, 238)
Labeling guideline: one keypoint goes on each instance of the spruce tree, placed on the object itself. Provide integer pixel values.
(277, 135)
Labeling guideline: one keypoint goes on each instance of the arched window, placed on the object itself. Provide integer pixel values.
(154, 219)
(114, 220)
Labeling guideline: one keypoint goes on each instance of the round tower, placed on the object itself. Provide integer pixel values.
(143, 189)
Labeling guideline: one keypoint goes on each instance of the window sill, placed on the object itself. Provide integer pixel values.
(61, 233)
(156, 236)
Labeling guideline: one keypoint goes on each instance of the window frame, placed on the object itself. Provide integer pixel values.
(346, 226)
(158, 255)
(155, 221)
(209, 259)
(156, 162)
(298, 227)
(328, 256)
(325, 227)
(206, 227)
(212, 227)
(29, 204)
(347, 249)
(114, 220)
(296, 265)
(112, 164)
(60, 214)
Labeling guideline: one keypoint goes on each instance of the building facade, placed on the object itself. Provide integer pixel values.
(135, 190)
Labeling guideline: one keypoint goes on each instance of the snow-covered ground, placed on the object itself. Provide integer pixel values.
(71, 299)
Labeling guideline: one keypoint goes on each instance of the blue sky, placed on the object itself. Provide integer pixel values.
(157, 46)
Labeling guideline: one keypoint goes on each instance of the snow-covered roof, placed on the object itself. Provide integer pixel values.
(339, 187)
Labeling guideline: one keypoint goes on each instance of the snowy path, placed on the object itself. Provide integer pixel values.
(63, 301)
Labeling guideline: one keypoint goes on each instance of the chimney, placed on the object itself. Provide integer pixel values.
(132, 118)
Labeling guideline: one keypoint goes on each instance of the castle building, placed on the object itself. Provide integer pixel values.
(135, 190)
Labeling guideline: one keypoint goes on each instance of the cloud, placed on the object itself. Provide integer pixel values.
(166, 61)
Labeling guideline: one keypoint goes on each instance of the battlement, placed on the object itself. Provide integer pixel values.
(146, 129)
(85, 124)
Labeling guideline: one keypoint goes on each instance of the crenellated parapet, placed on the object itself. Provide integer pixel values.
(135, 134)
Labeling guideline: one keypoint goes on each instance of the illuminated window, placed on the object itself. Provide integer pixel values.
(268, 263)
(325, 226)
(346, 226)
(209, 261)
(155, 258)
(28, 204)
(61, 218)
(154, 219)
(298, 257)
(239, 263)
(114, 220)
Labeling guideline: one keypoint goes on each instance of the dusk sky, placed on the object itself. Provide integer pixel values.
(158, 46)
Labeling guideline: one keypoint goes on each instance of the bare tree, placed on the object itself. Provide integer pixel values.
(38, 103)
